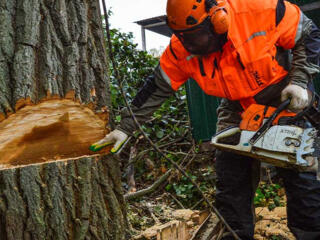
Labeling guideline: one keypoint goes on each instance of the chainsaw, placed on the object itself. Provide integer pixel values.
(276, 136)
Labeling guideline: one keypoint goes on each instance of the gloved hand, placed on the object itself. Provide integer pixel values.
(298, 95)
(116, 137)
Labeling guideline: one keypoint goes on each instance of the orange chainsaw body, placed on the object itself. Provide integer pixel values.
(253, 116)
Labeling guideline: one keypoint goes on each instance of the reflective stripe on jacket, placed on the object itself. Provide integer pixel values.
(247, 63)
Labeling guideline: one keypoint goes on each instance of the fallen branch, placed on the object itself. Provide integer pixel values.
(269, 175)
(220, 234)
(174, 142)
(155, 219)
(186, 157)
(155, 185)
(178, 153)
(197, 203)
(199, 228)
(130, 171)
(150, 189)
(177, 201)
(169, 134)
(190, 161)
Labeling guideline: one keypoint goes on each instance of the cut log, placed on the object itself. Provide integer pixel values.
(181, 228)
(54, 101)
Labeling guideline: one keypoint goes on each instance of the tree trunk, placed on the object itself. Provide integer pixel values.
(54, 101)
(70, 199)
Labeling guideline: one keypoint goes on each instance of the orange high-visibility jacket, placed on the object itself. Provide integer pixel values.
(247, 63)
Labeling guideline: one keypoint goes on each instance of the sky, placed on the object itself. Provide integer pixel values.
(126, 12)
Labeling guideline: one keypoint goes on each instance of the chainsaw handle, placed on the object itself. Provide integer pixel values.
(223, 134)
(282, 107)
(268, 123)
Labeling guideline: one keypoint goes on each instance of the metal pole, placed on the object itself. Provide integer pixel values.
(143, 36)
(310, 6)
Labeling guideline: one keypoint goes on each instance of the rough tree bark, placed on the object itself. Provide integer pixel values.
(53, 105)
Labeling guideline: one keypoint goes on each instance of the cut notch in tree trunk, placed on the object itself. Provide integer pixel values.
(51, 130)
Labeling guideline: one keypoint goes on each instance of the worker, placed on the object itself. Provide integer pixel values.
(245, 52)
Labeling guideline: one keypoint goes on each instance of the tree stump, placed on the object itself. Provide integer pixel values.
(54, 100)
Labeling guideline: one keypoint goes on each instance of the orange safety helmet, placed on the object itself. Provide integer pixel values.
(188, 14)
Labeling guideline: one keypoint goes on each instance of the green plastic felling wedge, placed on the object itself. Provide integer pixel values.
(96, 148)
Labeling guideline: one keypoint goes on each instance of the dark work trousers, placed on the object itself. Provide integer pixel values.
(238, 177)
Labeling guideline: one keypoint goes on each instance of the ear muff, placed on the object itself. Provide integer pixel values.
(219, 16)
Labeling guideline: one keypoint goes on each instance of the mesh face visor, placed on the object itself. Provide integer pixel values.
(199, 40)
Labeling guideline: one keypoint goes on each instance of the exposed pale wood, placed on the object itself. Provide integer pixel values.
(180, 229)
(207, 229)
(55, 129)
(176, 230)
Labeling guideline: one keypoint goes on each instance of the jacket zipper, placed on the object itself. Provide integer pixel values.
(215, 66)
(202, 71)
(240, 62)
(243, 68)
(225, 89)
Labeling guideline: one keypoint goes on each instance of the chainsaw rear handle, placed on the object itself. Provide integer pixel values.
(282, 106)
(223, 134)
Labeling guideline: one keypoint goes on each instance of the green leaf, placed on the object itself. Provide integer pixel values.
(276, 201)
(160, 134)
(168, 187)
(118, 118)
(271, 206)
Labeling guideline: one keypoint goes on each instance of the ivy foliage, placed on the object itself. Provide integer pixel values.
(268, 195)
(186, 191)
(134, 66)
